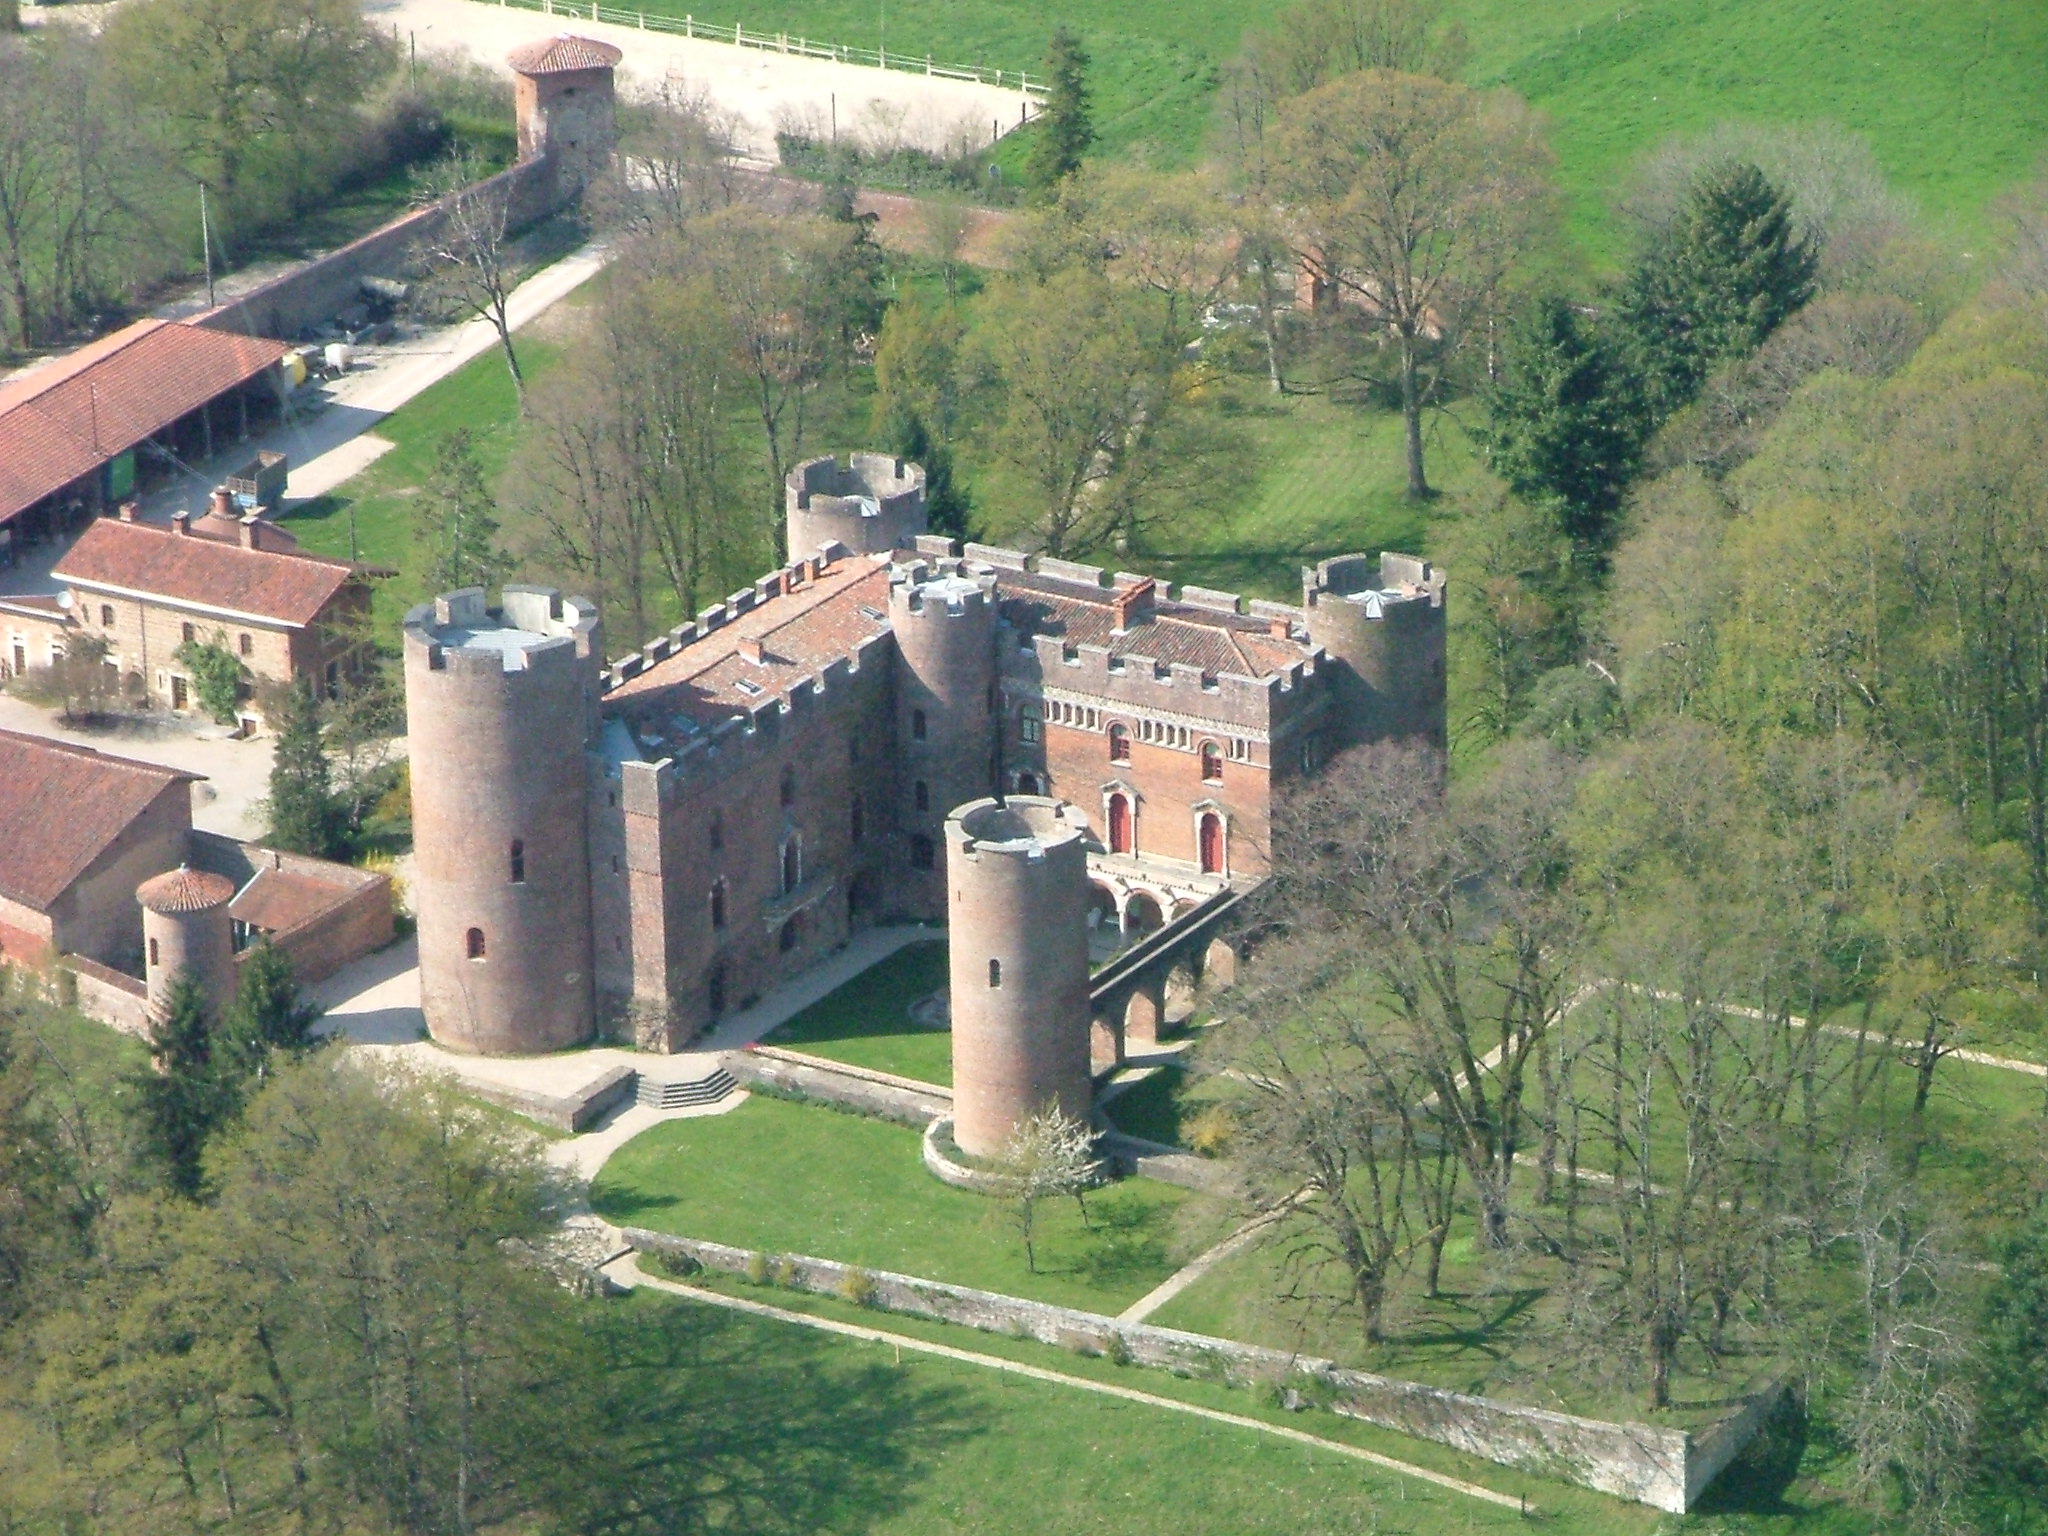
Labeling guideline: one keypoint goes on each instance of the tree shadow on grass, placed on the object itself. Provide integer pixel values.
(678, 1418)
(628, 1202)
(1764, 1479)
(1127, 1246)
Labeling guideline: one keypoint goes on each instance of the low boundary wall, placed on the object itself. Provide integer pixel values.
(103, 993)
(881, 1094)
(571, 1113)
(290, 306)
(1666, 1469)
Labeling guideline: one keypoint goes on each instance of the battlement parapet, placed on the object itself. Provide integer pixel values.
(1208, 599)
(1145, 684)
(1001, 559)
(919, 596)
(871, 504)
(1378, 585)
(533, 629)
(936, 546)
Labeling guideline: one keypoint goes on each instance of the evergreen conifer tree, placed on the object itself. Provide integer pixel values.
(1726, 273)
(191, 1092)
(304, 814)
(1064, 128)
(2012, 1406)
(455, 520)
(1564, 427)
(268, 1014)
(945, 500)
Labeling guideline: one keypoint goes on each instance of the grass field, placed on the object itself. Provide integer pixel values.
(801, 1178)
(1949, 92)
(866, 1023)
(865, 1440)
(370, 517)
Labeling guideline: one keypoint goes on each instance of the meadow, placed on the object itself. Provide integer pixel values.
(1949, 92)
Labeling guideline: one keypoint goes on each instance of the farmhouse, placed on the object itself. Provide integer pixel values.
(227, 580)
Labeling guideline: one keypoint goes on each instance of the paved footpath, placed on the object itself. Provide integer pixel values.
(375, 1003)
(626, 1271)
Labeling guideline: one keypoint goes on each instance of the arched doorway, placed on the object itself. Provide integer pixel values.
(1142, 914)
(1210, 838)
(1027, 784)
(1120, 823)
(1101, 908)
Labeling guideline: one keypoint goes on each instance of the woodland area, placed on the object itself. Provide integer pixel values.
(299, 118)
(1657, 996)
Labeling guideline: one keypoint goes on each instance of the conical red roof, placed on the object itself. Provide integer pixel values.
(185, 890)
(559, 55)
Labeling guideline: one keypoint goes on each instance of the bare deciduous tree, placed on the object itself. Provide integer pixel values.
(1412, 196)
(465, 253)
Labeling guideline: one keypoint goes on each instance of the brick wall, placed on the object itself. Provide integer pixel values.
(25, 936)
(97, 916)
(102, 993)
(292, 305)
(358, 923)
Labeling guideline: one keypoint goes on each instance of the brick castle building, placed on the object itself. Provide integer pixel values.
(647, 844)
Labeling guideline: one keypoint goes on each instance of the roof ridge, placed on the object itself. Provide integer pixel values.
(80, 749)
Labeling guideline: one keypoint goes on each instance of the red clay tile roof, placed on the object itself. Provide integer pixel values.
(799, 632)
(185, 890)
(154, 561)
(63, 420)
(1037, 604)
(560, 54)
(61, 806)
(278, 900)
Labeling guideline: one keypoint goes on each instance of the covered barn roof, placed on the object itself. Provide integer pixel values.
(60, 422)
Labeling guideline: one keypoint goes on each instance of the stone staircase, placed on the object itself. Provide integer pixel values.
(709, 1089)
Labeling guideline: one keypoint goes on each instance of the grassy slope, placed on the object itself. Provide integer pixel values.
(797, 1178)
(866, 1023)
(1948, 91)
(969, 1450)
(1129, 1483)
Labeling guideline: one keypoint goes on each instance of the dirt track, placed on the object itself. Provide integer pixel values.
(761, 90)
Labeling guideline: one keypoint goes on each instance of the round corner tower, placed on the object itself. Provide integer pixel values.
(185, 931)
(500, 708)
(1384, 621)
(872, 504)
(945, 628)
(564, 104)
(1017, 940)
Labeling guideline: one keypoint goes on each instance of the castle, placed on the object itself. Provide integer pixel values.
(647, 844)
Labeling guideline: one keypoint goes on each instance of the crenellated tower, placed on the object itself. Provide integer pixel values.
(501, 709)
(1384, 621)
(945, 629)
(871, 504)
(1017, 938)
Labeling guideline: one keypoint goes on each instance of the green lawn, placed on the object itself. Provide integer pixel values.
(801, 1178)
(862, 1439)
(370, 516)
(1949, 92)
(1330, 479)
(866, 1023)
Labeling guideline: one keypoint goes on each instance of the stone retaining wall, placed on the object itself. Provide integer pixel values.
(853, 1088)
(571, 1113)
(1664, 1468)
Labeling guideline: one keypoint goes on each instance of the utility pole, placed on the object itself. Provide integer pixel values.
(206, 244)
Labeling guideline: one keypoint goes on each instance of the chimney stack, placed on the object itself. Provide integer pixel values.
(249, 529)
(1133, 603)
(752, 650)
(127, 511)
(181, 523)
(223, 503)
(1280, 629)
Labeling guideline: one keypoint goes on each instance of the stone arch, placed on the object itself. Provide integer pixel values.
(1144, 912)
(1103, 908)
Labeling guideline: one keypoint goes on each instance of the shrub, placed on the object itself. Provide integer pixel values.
(859, 1287)
(757, 1269)
(1209, 1131)
(673, 1266)
(1117, 1351)
(783, 1273)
